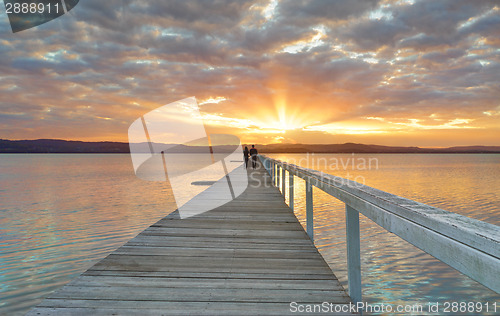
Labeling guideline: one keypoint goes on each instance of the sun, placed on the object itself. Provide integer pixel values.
(287, 118)
(285, 125)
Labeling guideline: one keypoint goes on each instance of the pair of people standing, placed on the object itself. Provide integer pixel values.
(252, 152)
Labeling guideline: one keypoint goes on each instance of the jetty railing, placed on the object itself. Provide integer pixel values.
(470, 246)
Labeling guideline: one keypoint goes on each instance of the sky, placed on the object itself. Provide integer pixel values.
(406, 73)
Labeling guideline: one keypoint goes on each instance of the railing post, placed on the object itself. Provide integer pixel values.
(309, 210)
(272, 172)
(283, 180)
(353, 254)
(290, 188)
(276, 170)
(278, 176)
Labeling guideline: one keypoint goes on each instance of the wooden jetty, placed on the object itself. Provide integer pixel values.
(249, 256)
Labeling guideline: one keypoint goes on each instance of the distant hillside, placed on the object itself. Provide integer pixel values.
(60, 146)
(57, 146)
(362, 148)
(63, 146)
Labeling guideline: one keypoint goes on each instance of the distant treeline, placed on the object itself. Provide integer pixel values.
(60, 146)
(64, 146)
(362, 148)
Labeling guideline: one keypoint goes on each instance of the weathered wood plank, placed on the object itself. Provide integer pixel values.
(257, 244)
(241, 283)
(155, 231)
(199, 294)
(218, 252)
(101, 307)
(228, 224)
(250, 277)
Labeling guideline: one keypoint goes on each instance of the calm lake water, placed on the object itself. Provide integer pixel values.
(59, 214)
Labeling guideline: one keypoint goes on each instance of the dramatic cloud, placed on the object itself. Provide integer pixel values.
(389, 72)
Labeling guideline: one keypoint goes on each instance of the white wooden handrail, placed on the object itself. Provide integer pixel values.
(468, 245)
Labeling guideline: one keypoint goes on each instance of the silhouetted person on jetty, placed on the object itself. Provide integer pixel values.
(253, 153)
(246, 154)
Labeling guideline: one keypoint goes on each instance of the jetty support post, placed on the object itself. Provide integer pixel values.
(273, 170)
(290, 188)
(309, 210)
(278, 175)
(353, 254)
(283, 181)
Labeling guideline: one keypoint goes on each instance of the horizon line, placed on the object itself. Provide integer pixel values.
(260, 144)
